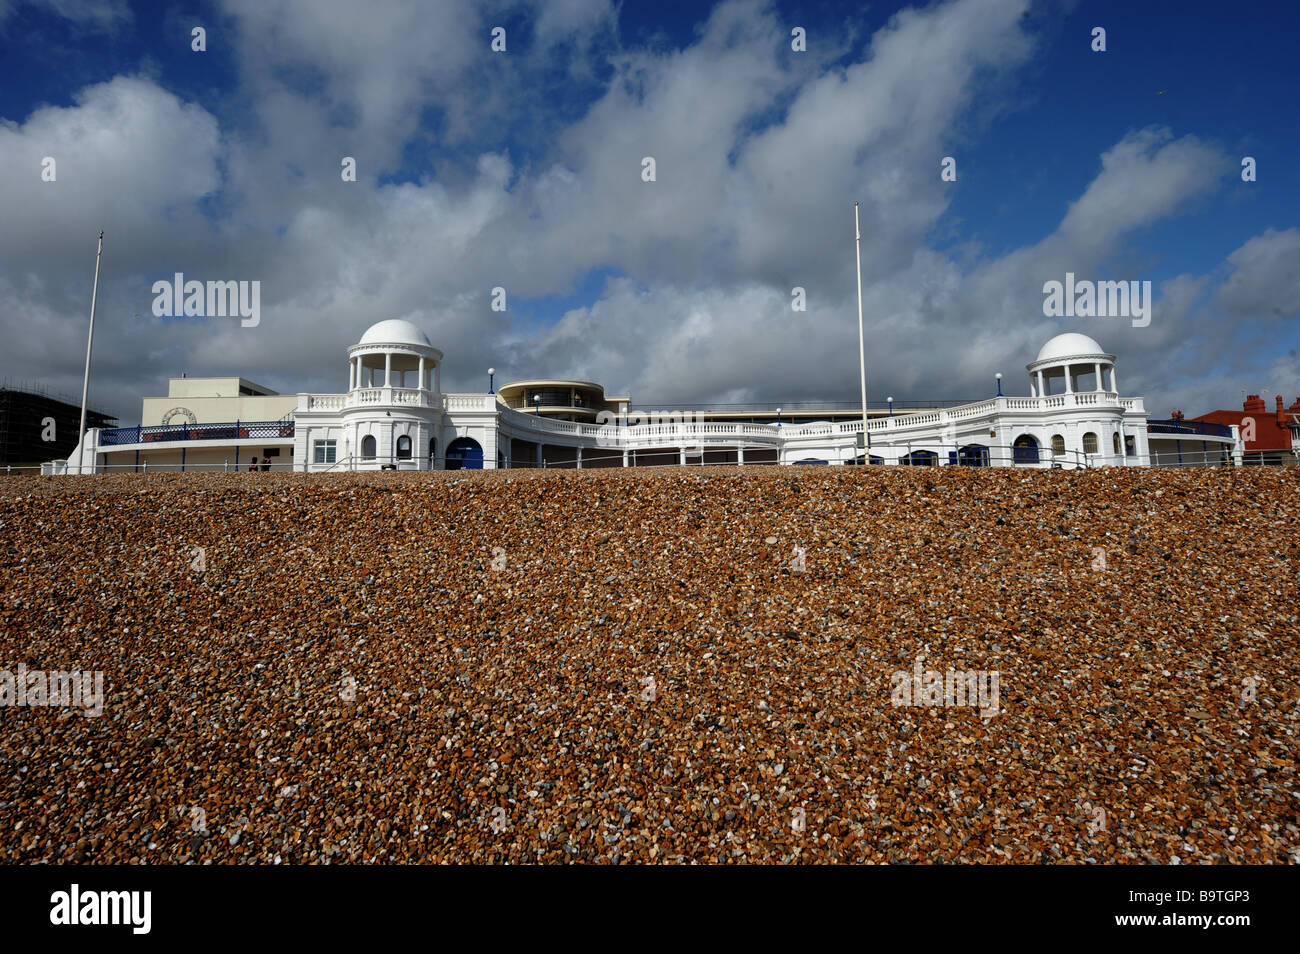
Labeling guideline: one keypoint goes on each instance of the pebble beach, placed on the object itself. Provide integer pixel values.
(670, 665)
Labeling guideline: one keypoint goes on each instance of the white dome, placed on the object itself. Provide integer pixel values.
(1069, 345)
(395, 331)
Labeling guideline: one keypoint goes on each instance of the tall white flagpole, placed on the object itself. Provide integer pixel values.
(862, 358)
(90, 340)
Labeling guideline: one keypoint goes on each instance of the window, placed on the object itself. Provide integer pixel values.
(368, 446)
(1114, 443)
(1090, 442)
(270, 452)
(1130, 445)
(403, 448)
(1058, 445)
(323, 452)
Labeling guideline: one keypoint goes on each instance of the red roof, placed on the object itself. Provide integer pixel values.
(1271, 427)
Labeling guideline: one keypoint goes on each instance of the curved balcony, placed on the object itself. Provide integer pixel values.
(1190, 428)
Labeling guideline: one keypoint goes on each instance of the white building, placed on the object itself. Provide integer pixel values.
(394, 415)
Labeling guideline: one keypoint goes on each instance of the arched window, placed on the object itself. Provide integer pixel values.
(403, 448)
(1058, 445)
(1114, 443)
(1090, 442)
(368, 447)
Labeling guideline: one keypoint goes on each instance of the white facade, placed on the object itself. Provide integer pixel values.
(395, 416)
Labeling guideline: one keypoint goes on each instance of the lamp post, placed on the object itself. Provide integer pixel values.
(998, 376)
(491, 374)
(890, 399)
(778, 417)
(537, 403)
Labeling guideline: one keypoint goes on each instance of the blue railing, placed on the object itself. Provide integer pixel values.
(1204, 428)
(236, 430)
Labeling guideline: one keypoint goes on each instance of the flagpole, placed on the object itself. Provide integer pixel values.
(90, 339)
(862, 360)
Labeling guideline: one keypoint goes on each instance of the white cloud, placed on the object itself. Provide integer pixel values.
(129, 157)
(1265, 278)
(1145, 177)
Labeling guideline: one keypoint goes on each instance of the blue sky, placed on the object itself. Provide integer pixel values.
(521, 170)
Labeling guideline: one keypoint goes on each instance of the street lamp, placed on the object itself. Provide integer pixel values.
(778, 417)
(999, 379)
(491, 374)
(537, 403)
(890, 399)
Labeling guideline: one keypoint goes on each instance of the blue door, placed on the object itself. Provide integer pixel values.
(464, 453)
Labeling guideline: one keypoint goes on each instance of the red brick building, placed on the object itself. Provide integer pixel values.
(1269, 435)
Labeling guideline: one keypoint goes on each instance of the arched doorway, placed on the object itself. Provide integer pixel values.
(1025, 449)
(464, 453)
(920, 458)
(403, 448)
(368, 447)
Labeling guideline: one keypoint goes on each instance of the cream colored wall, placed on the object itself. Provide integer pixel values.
(214, 410)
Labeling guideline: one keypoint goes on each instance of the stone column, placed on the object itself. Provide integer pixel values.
(539, 455)
(1069, 385)
(388, 370)
(579, 457)
(1100, 385)
(740, 455)
(1113, 386)
(421, 384)
(625, 457)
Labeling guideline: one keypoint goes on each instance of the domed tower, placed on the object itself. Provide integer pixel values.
(392, 415)
(1069, 357)
(384, 357)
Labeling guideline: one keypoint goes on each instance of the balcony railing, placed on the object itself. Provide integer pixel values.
(1202, 428)
(235, 430)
